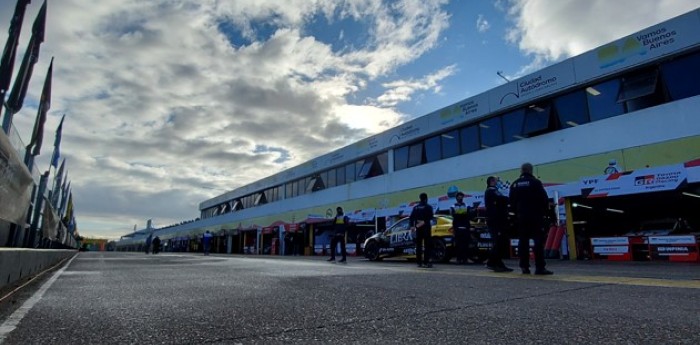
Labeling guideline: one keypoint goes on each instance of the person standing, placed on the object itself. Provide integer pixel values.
(149, 240)
(529, 201)
(461, 223)
(156, 245)
(420, 219)
(497, 221)
(340, 223)
(206, 242)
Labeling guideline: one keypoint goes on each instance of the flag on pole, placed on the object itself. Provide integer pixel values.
(7, 62)
(64, 198)
(44, 106)
(57, 144)
(31, 56)
(69, 210)
(57, 186)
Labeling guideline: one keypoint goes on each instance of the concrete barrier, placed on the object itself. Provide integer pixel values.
(19, 263)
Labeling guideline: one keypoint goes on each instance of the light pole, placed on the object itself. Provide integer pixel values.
(500, 74)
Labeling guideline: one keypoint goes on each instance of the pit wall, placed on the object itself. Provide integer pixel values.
(19, 263)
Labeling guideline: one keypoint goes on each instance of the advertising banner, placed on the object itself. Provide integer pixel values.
(672, 240)
(674, 248)
(610, 241)
(406, 132)
(365, 215)
(532, 86)
(49, 226)
(651, 43)
(15, 184)
(633, 182)
(466, 110)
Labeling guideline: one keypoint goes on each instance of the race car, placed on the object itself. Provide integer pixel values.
(399, 241)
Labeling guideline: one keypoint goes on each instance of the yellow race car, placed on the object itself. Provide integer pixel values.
(399, 241)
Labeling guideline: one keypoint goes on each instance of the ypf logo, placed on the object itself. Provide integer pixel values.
(645, 180)
(590, 181)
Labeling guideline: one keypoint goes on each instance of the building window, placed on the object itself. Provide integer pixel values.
(602, 100)
(358, 169)
(324, 178)
(513, 125)
(469, 139)
(383, 164)
(260, 199)
(641, 90)
(433, 150)
(302, 186)
(340, 173)
(572, 109)
(681, 76)
(315, 184)
(373, 166)
(331, 179)
(401, 158)
(450, 144)
(415, 155)
(295, 188)
(491, 132)
(364, 170)
(538, 119)
(350, 173)
(287, 190)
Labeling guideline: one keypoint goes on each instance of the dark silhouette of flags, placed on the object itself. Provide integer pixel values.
(31, 56)
(7, 62)
(57, 144)
(56, 192)
(44, 106)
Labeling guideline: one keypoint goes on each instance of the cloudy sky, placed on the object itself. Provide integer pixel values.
(171, 102)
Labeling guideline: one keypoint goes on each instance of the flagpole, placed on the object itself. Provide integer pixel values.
(7, 61)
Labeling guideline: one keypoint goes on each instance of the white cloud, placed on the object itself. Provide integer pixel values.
(399, 91)
(482, 25)
(161, 107)
(557, 29)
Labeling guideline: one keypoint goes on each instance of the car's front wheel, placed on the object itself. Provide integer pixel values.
(440, 251)
(372, 251)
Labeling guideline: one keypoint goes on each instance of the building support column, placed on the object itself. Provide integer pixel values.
(571, 236)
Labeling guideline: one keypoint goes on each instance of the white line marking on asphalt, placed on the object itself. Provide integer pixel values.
(11, 323)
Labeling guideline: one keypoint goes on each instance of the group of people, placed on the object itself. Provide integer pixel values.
(153, 243)
(530, 204)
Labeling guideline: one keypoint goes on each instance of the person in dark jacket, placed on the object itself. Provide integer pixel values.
(461, 223)
(420, 219)
(340, 223)
(529, 201)
(497, 221)
(156, 245)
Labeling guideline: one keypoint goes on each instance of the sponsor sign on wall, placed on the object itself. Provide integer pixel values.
(611, 250)
(644, 45)
(406, 132)
(532, 86)
(632, 182)
(466, 110)
(672, 240)
(610, 241)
